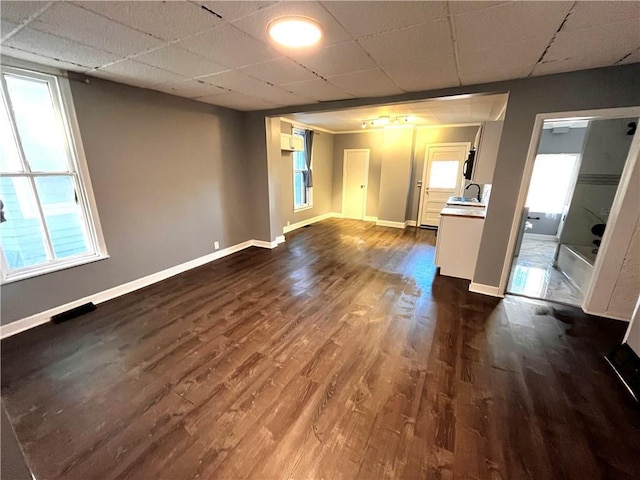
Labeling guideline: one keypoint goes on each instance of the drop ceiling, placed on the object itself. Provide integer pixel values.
(458, 110)
(218, 51)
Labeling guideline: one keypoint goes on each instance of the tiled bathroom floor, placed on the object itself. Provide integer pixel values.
(533, 275)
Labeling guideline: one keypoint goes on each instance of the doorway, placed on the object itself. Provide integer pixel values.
(441, 179)
(573, 183)
(354, 185)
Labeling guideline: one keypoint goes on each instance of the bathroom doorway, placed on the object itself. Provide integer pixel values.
(575, 177)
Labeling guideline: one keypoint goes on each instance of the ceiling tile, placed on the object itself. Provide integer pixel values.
(279, 71)
(55, 47)
(428, 74)
(7, 28)
(319, 90)
(238, 101)
(510, 23)
(494, 75)
(337, 59)
(366, 83)
(632, 58)
(457, 7)
(180, 61)
(587, 14)
(165, 20)
(375, 17)
(231, 11)
(509, 56)
(256, 23)
(429, 40)
(82, 26)
(622, 38)
(18, 12)
(228, 46)
(191, 88)
(136, 73)
(40, 60)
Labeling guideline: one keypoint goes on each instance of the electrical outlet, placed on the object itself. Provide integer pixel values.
(216, 245)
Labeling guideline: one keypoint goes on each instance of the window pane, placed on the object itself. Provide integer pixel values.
(63, 215)
(21, 234)
(299, 161)
(298, 189)
(443, 174)
(9, 159)
(40, 131)
(551, 182)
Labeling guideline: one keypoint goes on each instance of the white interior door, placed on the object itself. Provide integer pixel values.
(442, 179)
(354, 184)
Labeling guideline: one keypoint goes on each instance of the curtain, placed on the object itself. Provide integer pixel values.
(308, 145)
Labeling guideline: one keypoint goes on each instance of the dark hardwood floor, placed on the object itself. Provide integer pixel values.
(340, 354)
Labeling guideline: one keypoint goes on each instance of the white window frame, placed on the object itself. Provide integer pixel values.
(308, 191)
(65, 111)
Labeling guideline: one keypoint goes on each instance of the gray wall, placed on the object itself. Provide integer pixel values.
(395, 174)
(604, 155)
(170, 177)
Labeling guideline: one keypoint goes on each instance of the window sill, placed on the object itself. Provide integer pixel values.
(25, 275)
(302, 209)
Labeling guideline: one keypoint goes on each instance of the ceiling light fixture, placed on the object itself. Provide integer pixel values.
(386, 120)
(295, 32)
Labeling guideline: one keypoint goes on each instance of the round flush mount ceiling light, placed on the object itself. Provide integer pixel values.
(295, 32)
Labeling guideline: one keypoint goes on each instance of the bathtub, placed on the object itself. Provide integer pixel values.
(576, 263)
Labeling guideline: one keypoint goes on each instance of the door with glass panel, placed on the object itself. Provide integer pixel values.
(442, 179)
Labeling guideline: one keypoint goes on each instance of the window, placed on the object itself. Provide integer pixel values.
(47, 221)
(551, 182)
(302, 196)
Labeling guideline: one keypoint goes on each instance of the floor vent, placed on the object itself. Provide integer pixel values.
(626, 364)
(74, 312)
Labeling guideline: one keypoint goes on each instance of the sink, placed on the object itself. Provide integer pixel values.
(467, 202)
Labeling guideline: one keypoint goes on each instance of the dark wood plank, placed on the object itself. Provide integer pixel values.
(340, 354)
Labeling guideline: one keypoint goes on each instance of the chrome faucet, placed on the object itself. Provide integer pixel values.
(479, 189)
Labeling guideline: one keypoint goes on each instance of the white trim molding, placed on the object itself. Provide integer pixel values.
(410, 223)
(32, 321)
(309, 221)
(368, 218)
(387, 223)
(280, 239)
(489, 290)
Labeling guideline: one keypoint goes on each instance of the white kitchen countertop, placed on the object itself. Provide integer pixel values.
(468, 212)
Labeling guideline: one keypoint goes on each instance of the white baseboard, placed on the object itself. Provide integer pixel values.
(610, 315)
(280, 239)
(309, 221)
(410, 223)
(44, 317)
(485, 290)
(387, 223)
(370, 219)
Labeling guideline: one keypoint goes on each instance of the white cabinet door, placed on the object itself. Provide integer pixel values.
(458, 245)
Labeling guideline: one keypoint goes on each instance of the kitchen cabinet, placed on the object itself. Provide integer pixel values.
(485, 162)
(291, 143)
(458, 241)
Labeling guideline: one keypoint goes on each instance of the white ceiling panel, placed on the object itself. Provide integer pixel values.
(316, 90)
(428, 74)
(82, 26)
(59, 48)
(622, 38)
(279, 71)
(366, 83)
(231, 11)
(367, 18)
(191, 88)
(587, 14)
(136, 73)
(238, 101)
(632, 58)
(7, 28)
(165, 20)
(510, 56)
(256, 23)
(180, 61)
(18, 12)
(42, 60)
(465, 6)
(510, 23)
(337, 59)
(494, 75)
(228, 46)
(410, 44)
